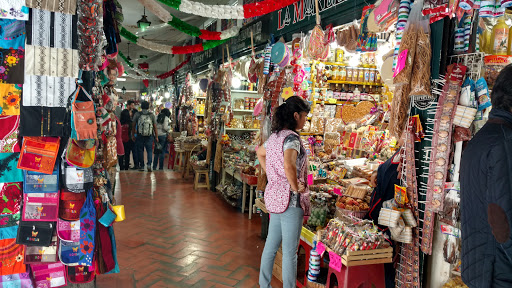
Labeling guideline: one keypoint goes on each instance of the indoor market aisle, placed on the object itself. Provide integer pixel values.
(175, 236)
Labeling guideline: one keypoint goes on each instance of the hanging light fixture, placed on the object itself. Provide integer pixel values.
(123, 90)
(128, 58)
(143, 23)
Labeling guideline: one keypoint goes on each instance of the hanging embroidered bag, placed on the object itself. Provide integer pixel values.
(317, 49)
(68, 230)
(39, 154)
(40, 207)
(83, 116)
(110, 152)
(21, 280)
(87, 229)
(75, 179)
(42, 254)
(81, 274)
(70, 205)
(32, 233)
(68, 252)
(36, 182)
(49, 275)
(81, 153)
(10, 198)
(11, 257)
(114, 251)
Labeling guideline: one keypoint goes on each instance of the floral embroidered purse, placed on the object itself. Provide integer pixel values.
(87, 229)
(49, 275)
(10, 198)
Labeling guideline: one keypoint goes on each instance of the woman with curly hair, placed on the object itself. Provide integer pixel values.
(284, 159)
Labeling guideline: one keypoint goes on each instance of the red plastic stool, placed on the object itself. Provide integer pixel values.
(172, 154)
(364, 276)
(307, 250)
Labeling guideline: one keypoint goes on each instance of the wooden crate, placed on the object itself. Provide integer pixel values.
(367, 257)
(277, 271)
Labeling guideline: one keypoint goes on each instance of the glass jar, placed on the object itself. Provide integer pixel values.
(335, 73)
(350, 72)
(343, 73)
(360, 75)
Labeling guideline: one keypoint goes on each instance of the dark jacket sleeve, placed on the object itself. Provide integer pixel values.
(499, 211)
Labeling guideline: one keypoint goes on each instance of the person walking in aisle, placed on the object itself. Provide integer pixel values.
(163, 128)
(284, 159)
(130, 105)
(126, 128)
(146, 134)
(486, 195)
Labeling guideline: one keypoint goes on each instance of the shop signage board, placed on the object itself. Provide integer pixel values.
(300, 16)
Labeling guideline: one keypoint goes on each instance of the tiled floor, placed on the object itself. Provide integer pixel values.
(175, 236)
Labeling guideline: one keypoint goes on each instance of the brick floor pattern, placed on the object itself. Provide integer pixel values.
(175, 236)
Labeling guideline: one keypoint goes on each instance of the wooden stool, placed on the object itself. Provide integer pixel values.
(178, 160)
(307, 249)
(197, 175)
(172, 157)
(357, 276)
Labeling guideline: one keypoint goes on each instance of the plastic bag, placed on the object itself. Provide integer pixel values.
(409, 43)
(420, 79)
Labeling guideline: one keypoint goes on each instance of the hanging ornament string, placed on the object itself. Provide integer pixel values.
(184, 27)
(170, 49)
(158, 77)
(227, 11)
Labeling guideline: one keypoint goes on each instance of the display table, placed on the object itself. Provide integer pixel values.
(188, 152)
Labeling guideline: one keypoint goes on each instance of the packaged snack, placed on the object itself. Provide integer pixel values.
(493, 65)
(482, 92)
(401, 195)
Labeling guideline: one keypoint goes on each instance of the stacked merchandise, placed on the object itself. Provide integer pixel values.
(57, 184)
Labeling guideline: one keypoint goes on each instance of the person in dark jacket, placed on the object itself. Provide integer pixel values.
(486, 195)
(384, 180)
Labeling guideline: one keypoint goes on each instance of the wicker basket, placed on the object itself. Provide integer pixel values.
(189, 146)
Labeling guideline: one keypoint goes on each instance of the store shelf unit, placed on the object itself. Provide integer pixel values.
(240, 129)
(354, 83)
(244, 92)
(243, 111)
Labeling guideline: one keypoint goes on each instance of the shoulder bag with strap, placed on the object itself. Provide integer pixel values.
(83, 120)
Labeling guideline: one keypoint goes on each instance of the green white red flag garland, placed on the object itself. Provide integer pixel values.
(184, 27)
(189, 49)
(144, 75)
(227, 11)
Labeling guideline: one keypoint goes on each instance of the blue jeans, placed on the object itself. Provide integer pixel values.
(159, 158)
(145, 142)
(285, 228)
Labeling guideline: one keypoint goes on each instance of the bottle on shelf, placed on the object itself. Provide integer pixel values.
(357, 95)
(500, 35)
(343, 92)
(350, 93)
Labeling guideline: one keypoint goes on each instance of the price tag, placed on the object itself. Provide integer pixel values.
(337, 191)
(310, 179)
(320, 248)
(400, 62)
(332, 101)
(335, 261)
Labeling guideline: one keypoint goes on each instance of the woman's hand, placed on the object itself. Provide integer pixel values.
(302, 188)
(373, 179)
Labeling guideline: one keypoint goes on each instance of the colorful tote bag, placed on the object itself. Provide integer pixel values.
(9, 171)
(10, 98)
(11, 257)
(39, 154)
(40, 207)
(70, 205)
(83, 116)
(87, 229)
(32, 233)
(81, 154)
(81, 274)
(75, 179)
(12, 66)
(68, 252)
(36, 182)
(9, 133)
(9, 220)
(49, 275)
(68, 230)
(10, 198)
(21, 280)
(42, 254)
